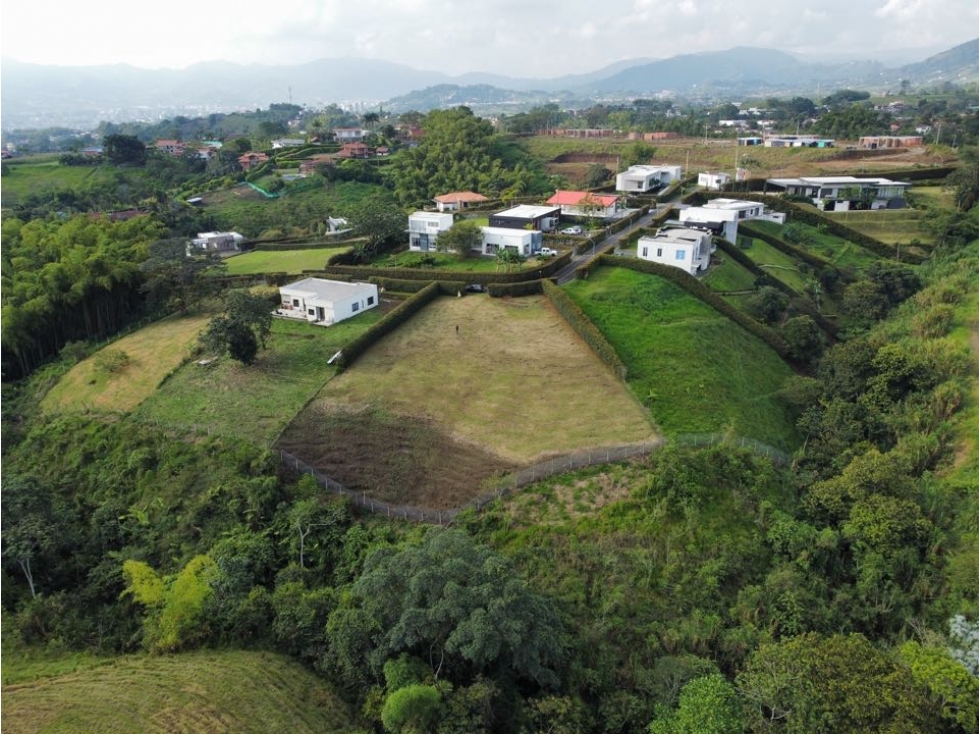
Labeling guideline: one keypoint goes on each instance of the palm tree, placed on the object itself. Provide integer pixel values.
(371, 119)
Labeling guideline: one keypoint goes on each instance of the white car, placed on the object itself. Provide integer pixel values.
(548, 252)
(572, 230)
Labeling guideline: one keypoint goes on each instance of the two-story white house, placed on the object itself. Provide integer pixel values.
(216, 242)
(349, 134)
(524, 241)
(713, 181)
(325, 302)
(842, 193)
(721, 216)
(687, 249)
(424, 229)
(642, 179)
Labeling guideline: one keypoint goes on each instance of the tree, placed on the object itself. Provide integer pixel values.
(371, 119)
(804, 338)
(122, 149)
(173, 278)
(597, 175)
(378, 219)
(947, 680)
(242, 328)
(708, 705)
(964, 180)
(462, 238)
(769, 304)
(411, 710)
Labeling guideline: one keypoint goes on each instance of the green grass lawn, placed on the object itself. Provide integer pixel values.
(777, 263)
(194, 692)
(254, 402)
(37, 178)
(934, 197)
(727, 274)
(840, 252)
(153, 351)
(888, 225)
(280, 261)
(697, 371)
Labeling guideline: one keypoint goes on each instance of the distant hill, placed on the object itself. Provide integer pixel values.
(43, 96)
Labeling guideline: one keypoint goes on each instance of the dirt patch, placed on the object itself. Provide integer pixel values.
(586, 158)
(400, 459)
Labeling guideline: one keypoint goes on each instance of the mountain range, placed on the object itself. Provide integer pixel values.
(36, 96)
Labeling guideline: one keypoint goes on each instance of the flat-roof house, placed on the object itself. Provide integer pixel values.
(544, 218)
(641, 179)
(713, 181)
(424, 229)
(721, 216)
(170, 147)
(458, 200)
(687, 249)
(216, 242)
(524, 241)
(874, 142)
(288, 142)
(325, 302)
(585, 204)
(842, 193)
(349, 134)
(797, 141)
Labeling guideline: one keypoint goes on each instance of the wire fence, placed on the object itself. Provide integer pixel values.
(528, 475)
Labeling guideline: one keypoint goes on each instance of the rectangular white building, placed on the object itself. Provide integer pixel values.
(722, 216)
(713, 181)
(687, 249)
(216, 242)
(524, 241)
(641, 179)
(842, 193)
(424, 229)
(325, 302)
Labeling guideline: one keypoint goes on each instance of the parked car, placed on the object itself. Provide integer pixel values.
(572, 230)
(548, 252)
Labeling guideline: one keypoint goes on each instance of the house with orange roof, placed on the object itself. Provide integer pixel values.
(585, 204)
(458, 200)
(251, 159)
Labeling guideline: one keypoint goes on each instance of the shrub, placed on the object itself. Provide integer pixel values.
(111, 361)
(935, 322)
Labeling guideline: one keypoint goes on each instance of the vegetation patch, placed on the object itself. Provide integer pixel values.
(726, 274)
(777, 264)
(280, 261)
(193, 692)
(697, 371)
(399, 459)
(254, 403)
(892, 226)
(152, 352)
(831, 247)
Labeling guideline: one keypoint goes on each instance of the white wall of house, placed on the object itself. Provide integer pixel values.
(523, 241)
(601, 212)
(725, 220)
(640, 179)
(712, 181)
(217, 241)
(326, 302)
(687, 249)
(424, 229)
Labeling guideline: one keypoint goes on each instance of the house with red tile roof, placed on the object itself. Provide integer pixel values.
(251, 159)
(457, 200)
(585, 204)
(354, 150)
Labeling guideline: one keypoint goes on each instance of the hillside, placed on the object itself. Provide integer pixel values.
(205, 692)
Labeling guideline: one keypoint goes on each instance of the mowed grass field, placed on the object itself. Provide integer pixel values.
(28, 177)
(196, 692)
(513, 385)
(727, 274)
(696, 370)
(153, 350)
(839, 251)
(777, 263)
(254, 402)
(280, 261)
(888, 225)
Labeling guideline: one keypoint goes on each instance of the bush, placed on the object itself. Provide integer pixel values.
(935, 322)
(527, 288)
(111, 361)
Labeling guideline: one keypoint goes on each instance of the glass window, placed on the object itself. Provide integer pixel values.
(659, 252)
(645, 252)
(295, 302)
(355, 307)
(370, 300)
(681, 254)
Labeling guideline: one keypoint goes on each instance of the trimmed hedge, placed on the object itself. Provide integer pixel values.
(705, 294)
(365, 272)
(280, 245)
(584, 327)
(527, 288)
(399, 285)
(394, 319)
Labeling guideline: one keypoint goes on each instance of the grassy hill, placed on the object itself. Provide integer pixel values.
(696, 370)
(280, 261)
(206, 692)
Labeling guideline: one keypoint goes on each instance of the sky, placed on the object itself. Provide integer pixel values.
(529, 38)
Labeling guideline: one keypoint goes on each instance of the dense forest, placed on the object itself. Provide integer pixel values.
(713, 589)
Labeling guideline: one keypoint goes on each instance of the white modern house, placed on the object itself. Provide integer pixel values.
(687, 249)
(640, 179)
(842, 193)
(527, 216)
(349, 134)
(721, 216)
(424, 229)
(325, 302)
(524, 241)
(713, 181)
(288, 142)
(216, 242)
(585, 204)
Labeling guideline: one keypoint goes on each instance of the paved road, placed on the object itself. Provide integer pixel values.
(567, 273)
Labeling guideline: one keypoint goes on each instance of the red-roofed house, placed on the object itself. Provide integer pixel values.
(311, 164)
(458, 200)
(354, 150)
(251, 159)
(585, 204)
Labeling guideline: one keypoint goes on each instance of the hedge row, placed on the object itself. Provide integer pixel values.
(399, 285)
(365, 272)
(390, 322)
(527, 288)
(699, 290)
(298, 245)
(799, 302)
(584, 327)
(793, 251)
(780, 204)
